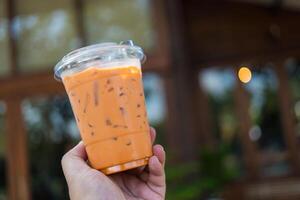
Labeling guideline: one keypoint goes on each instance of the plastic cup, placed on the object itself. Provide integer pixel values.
(104, 86)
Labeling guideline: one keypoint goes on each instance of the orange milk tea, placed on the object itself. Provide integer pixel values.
(109, 106)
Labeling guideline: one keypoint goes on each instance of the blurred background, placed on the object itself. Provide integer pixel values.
(221, 81)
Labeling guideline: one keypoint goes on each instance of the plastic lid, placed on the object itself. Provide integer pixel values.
(103, 52)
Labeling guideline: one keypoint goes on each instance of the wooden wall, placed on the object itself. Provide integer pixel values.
(220, 31)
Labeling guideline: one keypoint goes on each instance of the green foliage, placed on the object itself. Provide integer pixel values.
(203, 178)
(215, 171)
(48, 141)
(179, 182)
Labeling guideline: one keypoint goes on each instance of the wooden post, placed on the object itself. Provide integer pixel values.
(182, 135)
(287, 117)
(184, 80)
(173, 135)
(16, 152)
(249, 148)
(162, 54)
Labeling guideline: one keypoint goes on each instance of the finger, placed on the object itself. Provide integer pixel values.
(156, 176)
(74, 161)
(160, 153)
(78, 151)
(156, 172)
(152, 134)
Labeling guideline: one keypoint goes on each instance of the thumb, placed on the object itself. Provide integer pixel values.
(156, 167)
(74, 161)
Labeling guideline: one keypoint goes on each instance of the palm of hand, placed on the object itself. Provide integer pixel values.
(89, 184)
(142, 183)
(135, 187)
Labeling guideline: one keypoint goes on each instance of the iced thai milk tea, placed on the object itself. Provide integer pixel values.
(108, 102)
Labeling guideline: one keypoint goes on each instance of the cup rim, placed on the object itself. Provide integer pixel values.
(88, 53)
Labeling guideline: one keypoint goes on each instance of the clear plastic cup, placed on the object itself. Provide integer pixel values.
(104, 85)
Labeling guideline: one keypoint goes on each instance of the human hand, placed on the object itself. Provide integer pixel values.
(86, 183)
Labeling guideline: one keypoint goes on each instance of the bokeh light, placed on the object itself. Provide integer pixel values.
(245, 74)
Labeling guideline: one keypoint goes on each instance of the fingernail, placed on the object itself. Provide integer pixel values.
(162, 148)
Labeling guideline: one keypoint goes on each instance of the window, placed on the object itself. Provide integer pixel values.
(4, 48)
(293, 70)
(219, 85)
(155, 101)
(113, 20)
(51, 132)
(266, 128)
(45, 31)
